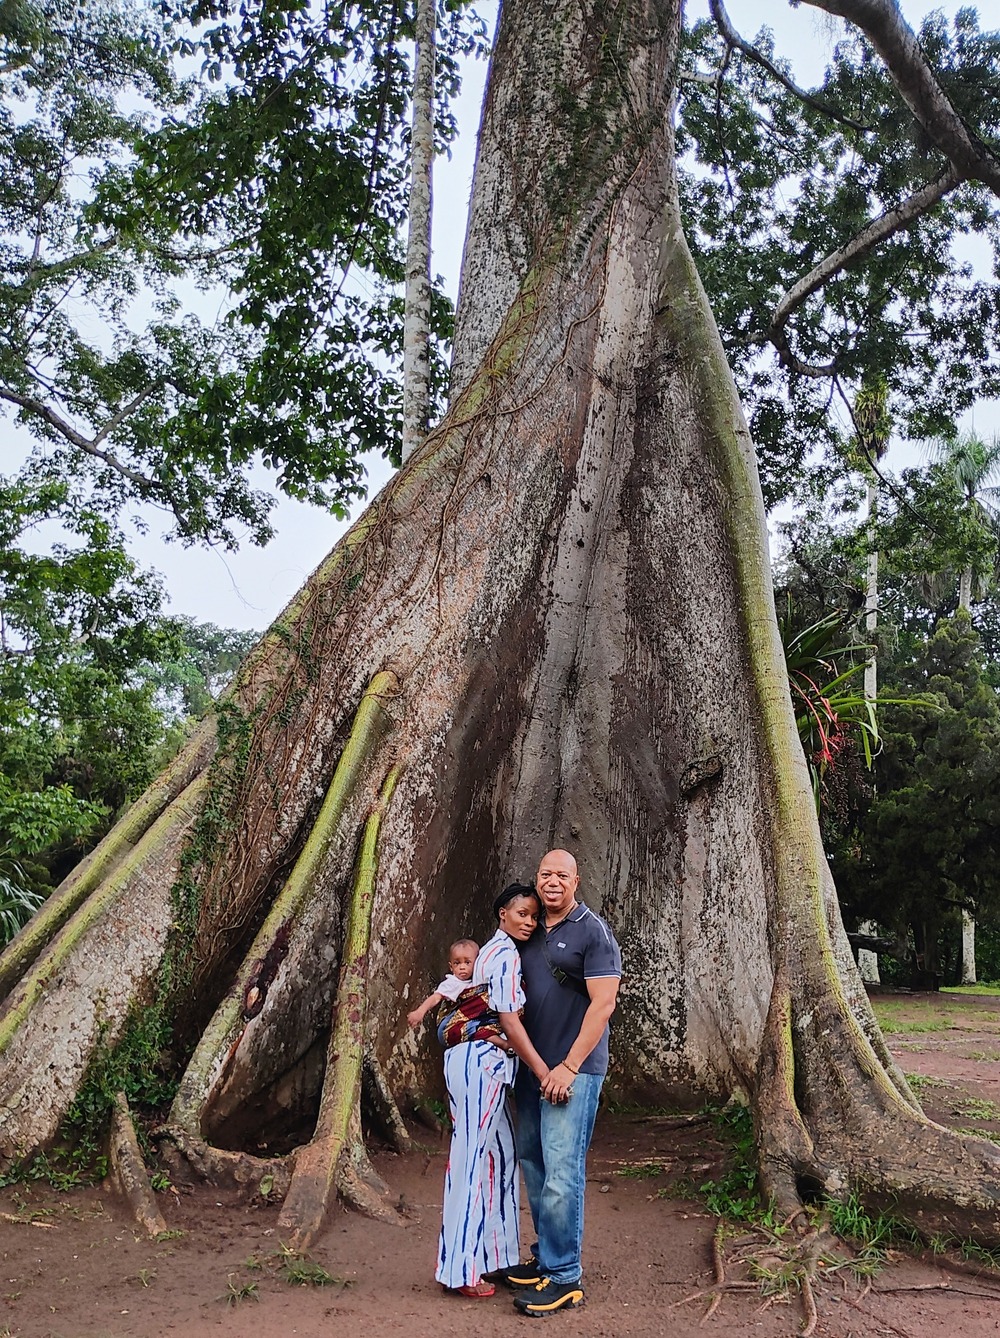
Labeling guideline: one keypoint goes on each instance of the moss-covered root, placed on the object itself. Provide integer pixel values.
(127, 1170)
(247, 998)
(105, 858)
(786, 1156)
(304, 1212)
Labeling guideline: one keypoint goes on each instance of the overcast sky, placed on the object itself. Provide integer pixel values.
(248, 589)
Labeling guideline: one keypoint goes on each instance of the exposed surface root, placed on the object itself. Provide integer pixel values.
(364, 1190)
(127, 1170)
(776, 1263)
(102, 862)
(188, 1156)
(213, 1057)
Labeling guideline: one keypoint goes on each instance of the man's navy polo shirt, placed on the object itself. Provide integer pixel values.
(584, 947)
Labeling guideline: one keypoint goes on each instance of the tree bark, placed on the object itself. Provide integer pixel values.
(417, 318)
(569, 582)
(968, 948)
(871, 603)
(965, 589)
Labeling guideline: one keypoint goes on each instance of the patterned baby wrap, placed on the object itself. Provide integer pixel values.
(469, 1018)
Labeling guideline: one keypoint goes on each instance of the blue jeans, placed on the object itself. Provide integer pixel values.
(552, 1143)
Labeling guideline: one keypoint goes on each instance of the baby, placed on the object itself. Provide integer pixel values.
(461, 959)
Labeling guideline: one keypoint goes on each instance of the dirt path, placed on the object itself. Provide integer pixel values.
(73, 1268)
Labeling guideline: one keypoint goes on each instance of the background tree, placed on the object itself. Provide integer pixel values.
(924, 528)
(417, 327)
(975, 467)
(974, 464)
(823, 222)
(275, 182)
(924, 848)
(97, 686)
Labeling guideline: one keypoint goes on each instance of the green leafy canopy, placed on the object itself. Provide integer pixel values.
(274, 179)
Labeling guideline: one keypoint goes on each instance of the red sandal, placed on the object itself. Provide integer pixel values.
(479, 1291)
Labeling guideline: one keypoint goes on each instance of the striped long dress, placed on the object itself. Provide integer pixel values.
(479, 1228)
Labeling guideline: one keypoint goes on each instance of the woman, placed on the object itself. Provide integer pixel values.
(479, 1229)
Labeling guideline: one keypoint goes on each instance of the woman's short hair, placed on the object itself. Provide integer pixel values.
(510, 893)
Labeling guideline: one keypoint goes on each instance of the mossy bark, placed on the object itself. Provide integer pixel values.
(217, 1052)
(93, 871)
(303, 1214)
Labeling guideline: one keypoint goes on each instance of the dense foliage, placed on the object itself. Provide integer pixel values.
(913, 841)
(924, 847)
(273, 179)
(774, 185)
(96, 683)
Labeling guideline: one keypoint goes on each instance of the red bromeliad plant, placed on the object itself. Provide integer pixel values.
(830, 712)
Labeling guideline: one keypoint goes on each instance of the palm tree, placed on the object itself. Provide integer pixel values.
(975, 466)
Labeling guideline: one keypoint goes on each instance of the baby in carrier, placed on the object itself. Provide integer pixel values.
(464, 1013)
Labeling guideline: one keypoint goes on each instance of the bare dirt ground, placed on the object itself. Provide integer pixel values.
(71, 1265)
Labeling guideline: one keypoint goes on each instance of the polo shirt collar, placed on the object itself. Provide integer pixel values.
(571, 919)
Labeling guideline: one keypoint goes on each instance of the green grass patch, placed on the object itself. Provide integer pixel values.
(991, 1134)
(298, 1270)
(919, 1082)
(893, 1025)
(979, 1254)
(991, 989)
(874, 1235)
(735, 1195)
(976, 1108)
(238, 1292)
(642, 1170)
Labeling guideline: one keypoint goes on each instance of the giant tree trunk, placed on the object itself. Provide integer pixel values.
(562, 606)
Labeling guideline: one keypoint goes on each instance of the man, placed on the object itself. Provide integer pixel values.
(572, 969)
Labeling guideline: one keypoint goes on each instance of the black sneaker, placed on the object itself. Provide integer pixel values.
(547, 1297)
(518, 1275)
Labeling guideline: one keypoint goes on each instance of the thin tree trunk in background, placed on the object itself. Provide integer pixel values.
(968, 949)
(417, 318)
(968, 920)
(868, 961)
(965, 590)
(871, 603)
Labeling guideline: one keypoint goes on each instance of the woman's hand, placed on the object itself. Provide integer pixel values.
(514, 1030)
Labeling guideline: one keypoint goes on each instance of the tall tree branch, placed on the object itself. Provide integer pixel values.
(42, 410)
(897, 44)
(734, 41)
(878, 231)
(39, 272)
